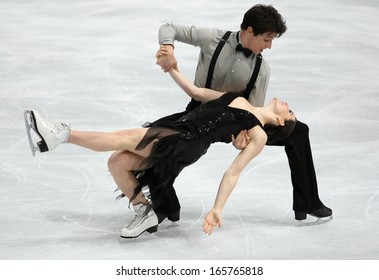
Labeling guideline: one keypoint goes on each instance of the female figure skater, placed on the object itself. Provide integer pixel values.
(168, 147)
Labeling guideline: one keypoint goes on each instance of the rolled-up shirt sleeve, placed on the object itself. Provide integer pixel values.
(169, 33)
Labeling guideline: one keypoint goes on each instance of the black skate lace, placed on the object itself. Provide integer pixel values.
(134, 223)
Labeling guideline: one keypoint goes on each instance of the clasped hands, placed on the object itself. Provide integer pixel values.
(166, 58)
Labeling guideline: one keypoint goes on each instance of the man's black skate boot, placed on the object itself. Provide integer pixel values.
(322, 212)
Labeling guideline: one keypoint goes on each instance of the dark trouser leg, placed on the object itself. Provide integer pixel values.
(169, 207)
(166, 205)
(303, 176)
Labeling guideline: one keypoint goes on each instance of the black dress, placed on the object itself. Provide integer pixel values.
(182, 141)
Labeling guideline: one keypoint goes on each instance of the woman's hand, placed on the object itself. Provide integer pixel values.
(212, 219)
(240, 142)
(165, 58)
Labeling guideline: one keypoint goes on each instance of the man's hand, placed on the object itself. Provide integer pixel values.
(240, 142)
(166, 58)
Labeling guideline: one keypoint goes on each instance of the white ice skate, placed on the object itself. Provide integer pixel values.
(314, 221)
(50, 134)
(144, 220)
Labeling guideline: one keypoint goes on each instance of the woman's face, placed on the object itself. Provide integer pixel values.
(282, 110)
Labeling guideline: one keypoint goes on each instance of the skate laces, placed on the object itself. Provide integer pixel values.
(139, 218)
(134, 223)
(58, 126)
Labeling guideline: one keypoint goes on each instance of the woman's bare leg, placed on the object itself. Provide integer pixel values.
(122, 165)
(53, 134)
(126, 139)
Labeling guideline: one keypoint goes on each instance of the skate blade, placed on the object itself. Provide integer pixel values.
(29, 125)
(314, 222)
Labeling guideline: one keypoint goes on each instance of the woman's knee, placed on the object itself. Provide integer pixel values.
(124, 161)
(112, 161)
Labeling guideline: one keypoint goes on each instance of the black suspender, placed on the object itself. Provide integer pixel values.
(193, 103)
(214, 59)
(254, 76)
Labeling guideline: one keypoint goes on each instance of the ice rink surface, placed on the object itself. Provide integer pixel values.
(92, 62)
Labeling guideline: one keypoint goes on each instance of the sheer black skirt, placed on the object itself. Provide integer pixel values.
(174, 149)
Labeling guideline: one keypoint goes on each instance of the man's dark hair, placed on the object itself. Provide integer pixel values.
(264, 18)
(276, 133)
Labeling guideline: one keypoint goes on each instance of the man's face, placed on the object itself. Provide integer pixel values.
(260, 42)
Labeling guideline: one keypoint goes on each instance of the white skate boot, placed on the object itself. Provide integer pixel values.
(51, 134)
(144, 220)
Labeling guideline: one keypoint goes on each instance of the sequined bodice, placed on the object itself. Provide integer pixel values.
(215, 121)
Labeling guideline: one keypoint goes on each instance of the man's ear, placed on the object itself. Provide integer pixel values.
(250, 30)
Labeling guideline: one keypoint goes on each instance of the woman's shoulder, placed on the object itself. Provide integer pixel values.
(227, 98)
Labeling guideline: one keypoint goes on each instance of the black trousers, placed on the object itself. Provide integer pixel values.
(305, 192)
(303, 175)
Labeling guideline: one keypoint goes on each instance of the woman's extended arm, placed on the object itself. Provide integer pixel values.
(199, 94)
(231, 176)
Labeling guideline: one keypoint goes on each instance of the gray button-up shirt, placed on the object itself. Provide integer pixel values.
(232, 71)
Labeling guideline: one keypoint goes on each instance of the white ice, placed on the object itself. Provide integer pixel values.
(92, 62)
